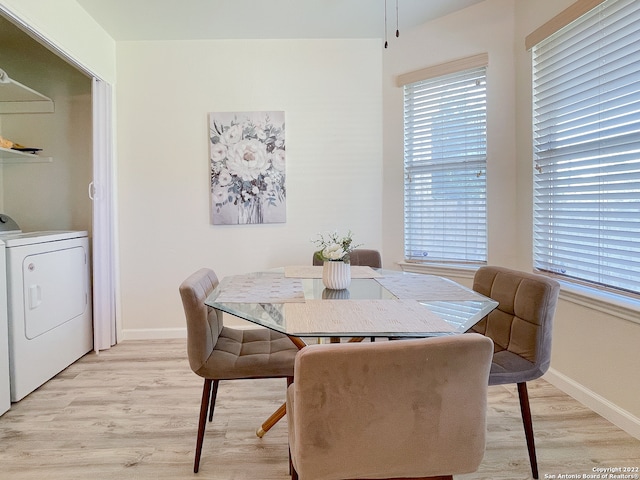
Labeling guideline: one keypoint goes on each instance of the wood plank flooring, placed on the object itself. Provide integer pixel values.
(131, 413)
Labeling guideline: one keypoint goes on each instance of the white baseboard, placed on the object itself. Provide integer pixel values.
(153, 333)
(616, 415)
(166, 333)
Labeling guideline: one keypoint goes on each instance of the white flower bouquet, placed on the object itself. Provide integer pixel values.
(334, 248)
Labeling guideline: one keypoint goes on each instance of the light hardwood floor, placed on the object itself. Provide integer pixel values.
(131, 413)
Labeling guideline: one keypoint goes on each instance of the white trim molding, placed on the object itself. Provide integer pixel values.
(480, 60)
(603, 407)
(176, 332)
(564, 18)
(153, 333)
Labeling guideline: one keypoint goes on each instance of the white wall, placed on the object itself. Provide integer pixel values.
(69, 28)
(594, 352)
(330, 91)
(484, 28)
(594, 355)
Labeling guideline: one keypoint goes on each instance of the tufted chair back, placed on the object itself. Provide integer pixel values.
(414, 409)
(521, 330)
(521, 325)
(204, 323)
(219, 353)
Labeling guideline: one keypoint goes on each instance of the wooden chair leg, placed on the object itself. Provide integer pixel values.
(202, 422)
(214, 394)
(528, 427)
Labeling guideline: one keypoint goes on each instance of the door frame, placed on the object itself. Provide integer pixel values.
(101, 192)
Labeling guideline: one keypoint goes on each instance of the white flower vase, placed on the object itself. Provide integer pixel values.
(336, 275)
(343, 294)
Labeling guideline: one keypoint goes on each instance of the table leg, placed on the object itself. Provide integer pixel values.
(272, 420)
(298, 342)
(282, 410)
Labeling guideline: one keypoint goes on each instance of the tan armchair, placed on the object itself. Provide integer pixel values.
(411, 409)
(219, 353)
(520, 328)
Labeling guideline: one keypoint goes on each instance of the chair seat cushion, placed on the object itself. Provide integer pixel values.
(240, 353)
(508, 367)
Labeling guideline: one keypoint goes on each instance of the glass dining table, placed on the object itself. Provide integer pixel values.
(378, 303)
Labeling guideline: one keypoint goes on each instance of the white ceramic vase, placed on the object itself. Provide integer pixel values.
(343, 294)
(336, 275)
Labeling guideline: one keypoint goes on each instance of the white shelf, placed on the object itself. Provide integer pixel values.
(9, 156)
(18, 98)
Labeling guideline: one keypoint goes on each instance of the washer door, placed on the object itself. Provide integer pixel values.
(55, 289)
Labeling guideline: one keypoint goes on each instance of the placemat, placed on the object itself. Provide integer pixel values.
(362, 316)
(271, 289)
(426, 288)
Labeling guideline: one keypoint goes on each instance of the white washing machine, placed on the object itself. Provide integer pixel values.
(49, 303)
(5, 397)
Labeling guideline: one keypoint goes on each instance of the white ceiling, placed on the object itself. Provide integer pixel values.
(251, 19)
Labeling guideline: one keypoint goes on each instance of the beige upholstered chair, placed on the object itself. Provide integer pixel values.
(411, 409)
(520, 328)
(359, 256)
(219, 353)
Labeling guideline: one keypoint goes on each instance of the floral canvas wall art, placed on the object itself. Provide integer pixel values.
(247, 155)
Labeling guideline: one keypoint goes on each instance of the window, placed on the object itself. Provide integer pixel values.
(444, 167)
(586, 129)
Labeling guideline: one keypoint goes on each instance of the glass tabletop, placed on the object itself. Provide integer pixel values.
(393, 304)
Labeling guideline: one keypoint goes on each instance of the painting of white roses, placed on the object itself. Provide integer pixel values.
(247, 155)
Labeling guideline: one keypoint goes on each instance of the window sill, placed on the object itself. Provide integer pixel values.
(620, 306)
(444, 270)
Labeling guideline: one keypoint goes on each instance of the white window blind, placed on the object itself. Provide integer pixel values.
(586, 107)
(444, 161)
